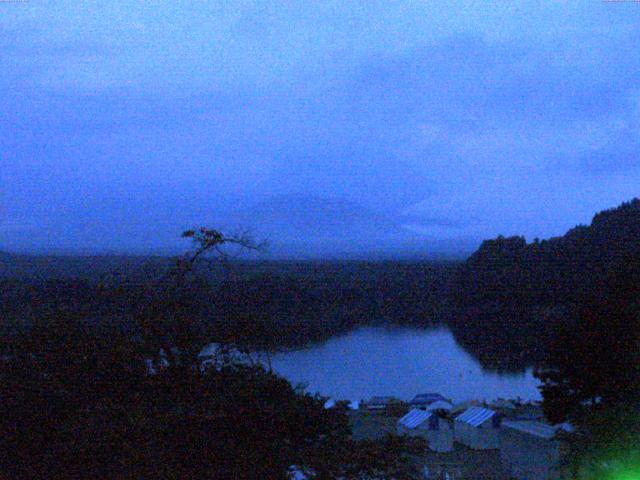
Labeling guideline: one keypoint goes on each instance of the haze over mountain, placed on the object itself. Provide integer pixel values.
(124, 124)
(302, 226)
(293, 226)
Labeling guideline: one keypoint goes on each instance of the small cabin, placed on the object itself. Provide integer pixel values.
(441, 406)
(530, 450)
(436, 430)
(380, 404)
(478, 428)
(423, 400)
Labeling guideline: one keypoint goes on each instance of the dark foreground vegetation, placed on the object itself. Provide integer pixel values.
(81, 402)
(111, 400)
(591, 377)
(101, 377)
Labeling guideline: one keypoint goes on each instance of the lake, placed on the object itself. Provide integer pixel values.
(400, 362)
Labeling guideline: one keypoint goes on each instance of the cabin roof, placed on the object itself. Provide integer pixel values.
(426, 398)
(537, 429)
(475, 416)
(440, 405)
(415, 418)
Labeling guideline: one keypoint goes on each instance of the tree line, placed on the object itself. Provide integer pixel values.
(283, 305)
(522, 293)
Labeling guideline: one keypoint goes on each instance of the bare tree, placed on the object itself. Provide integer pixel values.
(172, 334)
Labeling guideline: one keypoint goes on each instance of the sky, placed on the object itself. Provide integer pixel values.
(326, 128)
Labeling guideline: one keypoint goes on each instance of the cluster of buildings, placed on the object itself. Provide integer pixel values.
(504, 440)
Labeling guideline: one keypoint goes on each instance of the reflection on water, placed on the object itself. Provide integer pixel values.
(400, 362)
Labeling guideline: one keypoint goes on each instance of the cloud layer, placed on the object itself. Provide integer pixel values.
(122, 123)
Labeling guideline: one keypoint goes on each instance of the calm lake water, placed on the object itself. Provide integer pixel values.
(399, 362)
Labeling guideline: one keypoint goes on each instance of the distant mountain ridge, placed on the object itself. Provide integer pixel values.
(309, 226)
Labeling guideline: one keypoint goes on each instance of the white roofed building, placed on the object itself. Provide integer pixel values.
(530, 450)
(478, 428)
(425, 399)
(379, 403)
(426, 424)
(440, 406)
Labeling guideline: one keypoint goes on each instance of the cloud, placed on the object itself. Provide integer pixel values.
(204, 47)
(16, 226)
(480, 118)
(622, 157)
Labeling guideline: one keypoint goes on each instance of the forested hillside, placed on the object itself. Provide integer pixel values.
(280, 304)
(510, 295)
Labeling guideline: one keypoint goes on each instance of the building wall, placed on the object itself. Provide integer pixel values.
(465, 464)
(528, 457)
(440, 440)
(484, 437)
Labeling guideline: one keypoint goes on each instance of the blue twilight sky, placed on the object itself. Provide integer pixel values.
(330, 127)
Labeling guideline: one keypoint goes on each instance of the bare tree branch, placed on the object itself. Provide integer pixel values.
(207, 242)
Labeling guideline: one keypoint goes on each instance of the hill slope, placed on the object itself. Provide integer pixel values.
(510, 293)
